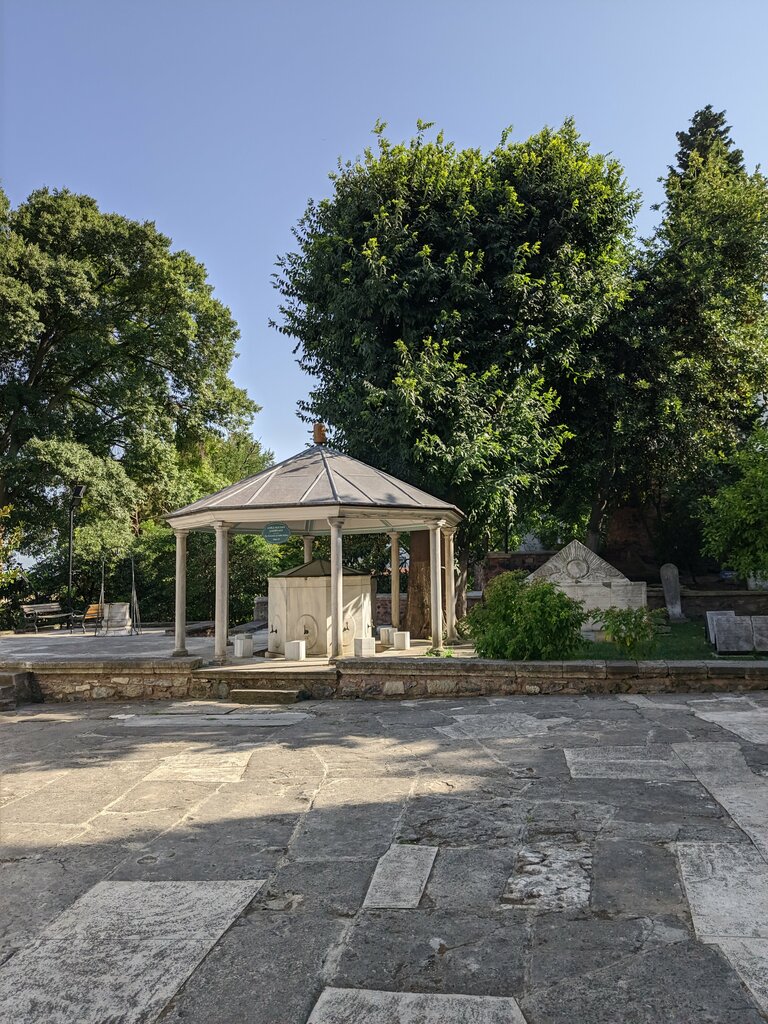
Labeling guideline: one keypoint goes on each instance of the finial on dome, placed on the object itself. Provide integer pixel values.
(318, 432)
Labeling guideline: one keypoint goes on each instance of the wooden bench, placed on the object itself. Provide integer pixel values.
(92, 616)
(37, 615)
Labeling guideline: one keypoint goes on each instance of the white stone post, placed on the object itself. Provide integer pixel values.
(337, 589)
(394, 568)
(309, 540)
(436, 590)
(450, 585)
(181, 595)
(222, 593)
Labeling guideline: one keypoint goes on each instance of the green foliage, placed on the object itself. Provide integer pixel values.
(525, 621)
(431, 294)
(252, 561)
(707, 130)
(10, 539)
(106, 336)
(670, 384)
(735, 520)
(633, 630)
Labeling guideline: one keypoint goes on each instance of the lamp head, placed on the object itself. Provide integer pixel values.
(78, 493)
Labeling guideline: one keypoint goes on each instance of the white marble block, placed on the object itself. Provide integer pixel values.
(760, 632)
(243, 646)
(386, 634)
(711, 622)
(365, 646)
(585, 577)
(402, 640)
(295, 650)
(734, 635)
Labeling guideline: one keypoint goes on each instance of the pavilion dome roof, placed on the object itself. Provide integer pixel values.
(316, 478)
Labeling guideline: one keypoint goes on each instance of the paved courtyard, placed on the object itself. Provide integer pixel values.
(488, 861)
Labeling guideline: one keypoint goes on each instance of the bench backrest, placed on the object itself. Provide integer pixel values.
(93, 611)
(53, 606)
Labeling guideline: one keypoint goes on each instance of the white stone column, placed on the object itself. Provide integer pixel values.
(222, 592)
(337, 589)
(449, 533)
(309, 540)
(394, 568)
(436, 589)
(181, 595)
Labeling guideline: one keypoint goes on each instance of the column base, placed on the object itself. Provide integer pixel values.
(180, 652)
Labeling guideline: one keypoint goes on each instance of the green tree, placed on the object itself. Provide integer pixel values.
(670, 384)
(735, 519)
(432, 294)
(707, 130)
(106, 334)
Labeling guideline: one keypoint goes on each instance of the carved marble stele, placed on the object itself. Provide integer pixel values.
(586, 577)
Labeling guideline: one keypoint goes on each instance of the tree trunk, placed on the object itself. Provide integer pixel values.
(461, 585)
(418, 610)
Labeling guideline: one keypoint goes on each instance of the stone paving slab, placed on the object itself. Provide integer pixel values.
(400, 877)
(727, 889)
(120, 952)
(203, 767)
(654, 762)
(645, 793)
(749, 725)
(750, 959)
(251, 720)
(363, 1006)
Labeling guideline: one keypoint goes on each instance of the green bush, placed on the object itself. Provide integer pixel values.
(631, 629)
(526, 621)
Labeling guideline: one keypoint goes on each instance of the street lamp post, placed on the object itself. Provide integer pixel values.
(76, 497)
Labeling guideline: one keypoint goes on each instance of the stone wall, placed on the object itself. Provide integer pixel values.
(127, 680)
(421, 677)
(696, 603)
(382, 678)
(384, 607)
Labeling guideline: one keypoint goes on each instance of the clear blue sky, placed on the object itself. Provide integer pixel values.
(217, 119)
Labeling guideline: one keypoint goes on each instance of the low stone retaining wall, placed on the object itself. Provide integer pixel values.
(116, 680)
(428, 677)
(386, 678)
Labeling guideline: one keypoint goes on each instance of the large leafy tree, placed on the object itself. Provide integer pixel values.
(677, 374)
(106, 334)
(433, 296)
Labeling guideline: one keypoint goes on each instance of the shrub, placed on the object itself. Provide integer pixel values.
(631, 629)
(526, 621)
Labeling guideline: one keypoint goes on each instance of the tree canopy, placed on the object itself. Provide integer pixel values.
(114, 373)
(106, 334)
(435, 293)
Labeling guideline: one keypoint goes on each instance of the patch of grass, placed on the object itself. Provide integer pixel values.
(686, 642)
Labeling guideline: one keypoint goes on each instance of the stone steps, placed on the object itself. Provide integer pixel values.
(263, 696)
(7, 694)
(16, 687)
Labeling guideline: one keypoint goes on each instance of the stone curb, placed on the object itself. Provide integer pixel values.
(388, 678)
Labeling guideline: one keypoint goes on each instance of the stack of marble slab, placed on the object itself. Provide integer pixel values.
(737, 634)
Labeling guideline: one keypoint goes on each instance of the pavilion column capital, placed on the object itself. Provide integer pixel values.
(337, 521)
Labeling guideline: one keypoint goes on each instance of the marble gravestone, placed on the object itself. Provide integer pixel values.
(733, 634)
(586, 577)
(760, 632)
(712, 618)
(670, 580)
